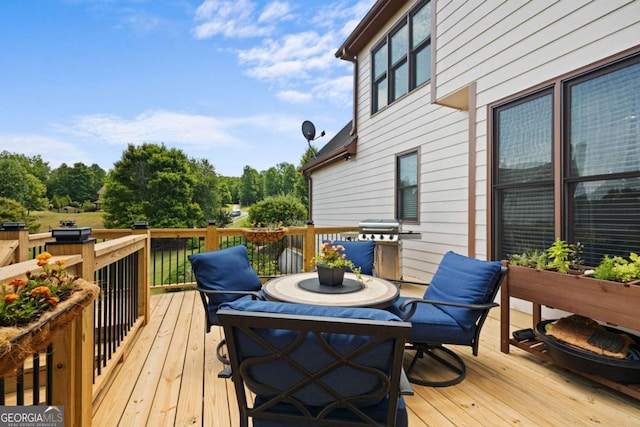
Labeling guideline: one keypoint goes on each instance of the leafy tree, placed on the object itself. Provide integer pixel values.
(17, 183)
(225, 192)
(249, 186)
(289, 175)
(282, 209)
(34, 165)
(302, 184)
(205, 192)
(151, 183)
(80, 183)
(97, 179)
(233, 182)
(13, 211)
(272, 182)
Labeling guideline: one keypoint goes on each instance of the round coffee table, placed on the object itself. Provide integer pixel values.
(375, 292)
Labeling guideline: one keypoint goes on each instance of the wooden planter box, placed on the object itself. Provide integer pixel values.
(611, 302)
(18, 343)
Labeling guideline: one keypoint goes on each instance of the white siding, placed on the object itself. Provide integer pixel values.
(505, 47)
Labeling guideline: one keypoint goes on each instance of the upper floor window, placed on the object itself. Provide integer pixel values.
(407, 186)
(599, 165)
(402, 61)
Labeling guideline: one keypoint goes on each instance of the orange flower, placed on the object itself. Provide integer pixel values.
(43, 258)
(52, 301)
(9, 298)
(42, 291)
(18, 282)
(60, 262)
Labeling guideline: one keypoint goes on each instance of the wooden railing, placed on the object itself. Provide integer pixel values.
(125, 264)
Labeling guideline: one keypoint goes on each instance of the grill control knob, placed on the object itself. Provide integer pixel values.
(381, 237)
(373, 237)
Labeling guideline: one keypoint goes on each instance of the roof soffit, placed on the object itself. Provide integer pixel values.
(379, 15)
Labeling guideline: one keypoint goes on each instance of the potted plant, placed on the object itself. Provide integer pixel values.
(606, 293)
(35, 308)
(270, 233)
(331, 264)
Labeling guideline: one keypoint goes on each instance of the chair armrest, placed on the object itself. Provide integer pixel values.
(413, 302)
(405, 385)
(254, 294)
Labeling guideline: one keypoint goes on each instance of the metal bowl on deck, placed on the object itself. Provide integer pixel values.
(624, 371)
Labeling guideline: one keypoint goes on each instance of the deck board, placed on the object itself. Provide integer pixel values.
(170, 379)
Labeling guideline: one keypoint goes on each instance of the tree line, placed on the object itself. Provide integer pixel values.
(150, 182)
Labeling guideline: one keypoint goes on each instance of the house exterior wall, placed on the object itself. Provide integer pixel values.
(504, 47)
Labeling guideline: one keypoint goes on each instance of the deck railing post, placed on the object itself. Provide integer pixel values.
(212, 241)
(309, 251)
(73, 348)
(17, 231)
(144, 271)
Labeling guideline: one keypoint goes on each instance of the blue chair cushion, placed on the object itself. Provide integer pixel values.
(310, 310)
(225, 270)
(431, 325)
(463, 280)
(312, 356)
(360, 253)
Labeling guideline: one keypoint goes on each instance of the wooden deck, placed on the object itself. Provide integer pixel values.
(170, 379)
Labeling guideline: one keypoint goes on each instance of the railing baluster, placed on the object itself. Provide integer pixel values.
(36, 378)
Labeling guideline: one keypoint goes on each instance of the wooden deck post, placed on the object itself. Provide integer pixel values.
(309, 251)
(20, 233)
(212, 241)
(73, 355)
(144, 271)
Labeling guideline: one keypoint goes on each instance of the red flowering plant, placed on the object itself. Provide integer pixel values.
(24, 300)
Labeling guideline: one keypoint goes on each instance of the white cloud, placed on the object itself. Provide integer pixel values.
(290, 58)
(295, 97)
(300, 63)
(275, 11)
(228, 18)
(152, 126)
(55, 151)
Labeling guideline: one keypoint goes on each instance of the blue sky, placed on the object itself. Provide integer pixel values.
(229, 81)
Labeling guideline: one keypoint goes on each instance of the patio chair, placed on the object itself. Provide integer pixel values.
(451, 312)
(310, 365)
(360, 253)
(224, 275)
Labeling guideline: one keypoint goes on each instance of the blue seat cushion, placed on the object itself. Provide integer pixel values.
(310, 310)
(360, 253)
(432, 325)
(463, 280)
(225, 270)
(312, 355)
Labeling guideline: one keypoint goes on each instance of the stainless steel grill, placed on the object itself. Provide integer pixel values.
(383, 230)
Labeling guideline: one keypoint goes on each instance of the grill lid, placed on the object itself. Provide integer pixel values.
(380, 225)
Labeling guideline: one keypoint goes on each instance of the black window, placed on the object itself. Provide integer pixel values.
(602, 174)
(407, 186)
(599, 182)
(402, 60)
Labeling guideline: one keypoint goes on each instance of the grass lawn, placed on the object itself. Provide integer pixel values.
(49, 219)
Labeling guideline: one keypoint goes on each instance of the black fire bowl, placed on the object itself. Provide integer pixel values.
(624, 371)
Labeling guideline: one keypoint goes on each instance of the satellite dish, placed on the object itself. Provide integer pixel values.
(308, 130)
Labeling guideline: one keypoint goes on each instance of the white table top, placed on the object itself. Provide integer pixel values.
(376, 293)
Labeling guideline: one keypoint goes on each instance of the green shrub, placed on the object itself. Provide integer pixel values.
(278, 210)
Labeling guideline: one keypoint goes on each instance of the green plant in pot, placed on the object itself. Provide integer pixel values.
(619, 269)
(563, 256)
